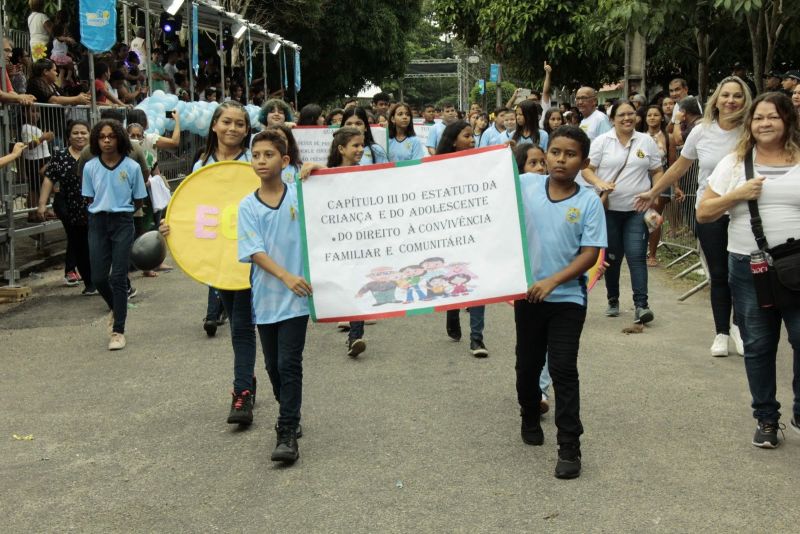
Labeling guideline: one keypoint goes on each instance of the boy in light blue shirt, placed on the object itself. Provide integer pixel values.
(565, 226)
(494, 134)
(449, 116)
(269, 238)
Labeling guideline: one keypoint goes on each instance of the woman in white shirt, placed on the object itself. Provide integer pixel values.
(622, 162)
(39, 28)
(710, 141)
(772, 137)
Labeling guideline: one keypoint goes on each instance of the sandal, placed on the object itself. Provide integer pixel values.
(149, 274)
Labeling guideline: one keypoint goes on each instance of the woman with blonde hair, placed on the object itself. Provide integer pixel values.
(770, 146)
(710, 141)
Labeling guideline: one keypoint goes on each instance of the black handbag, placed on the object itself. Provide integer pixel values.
(784, 259)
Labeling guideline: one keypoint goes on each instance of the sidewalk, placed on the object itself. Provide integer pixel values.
(415, 435)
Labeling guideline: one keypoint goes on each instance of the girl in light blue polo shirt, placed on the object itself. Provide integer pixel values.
(373, 152)
(114, 184)
(404, 145)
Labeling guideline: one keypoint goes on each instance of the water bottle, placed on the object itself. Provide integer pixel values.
(759, 266)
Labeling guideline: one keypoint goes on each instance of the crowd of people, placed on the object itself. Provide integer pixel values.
(608, 164)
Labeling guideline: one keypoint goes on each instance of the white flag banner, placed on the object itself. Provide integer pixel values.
(419, 236)
(314, 142)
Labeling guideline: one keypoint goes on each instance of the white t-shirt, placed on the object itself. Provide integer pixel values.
(29, 132)
(171, 70)
(36, 22)
(59, 48)
(595, 124)
(778, 205)
(608, 156)
(708, 143)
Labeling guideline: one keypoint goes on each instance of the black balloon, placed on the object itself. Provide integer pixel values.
(149, 250)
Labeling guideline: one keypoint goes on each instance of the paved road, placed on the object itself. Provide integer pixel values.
(416, 435)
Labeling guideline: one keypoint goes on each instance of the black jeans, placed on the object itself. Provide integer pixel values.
(110, 240)
(243, 336)
(214, 307)
(713, 238)
(553, 330)
(78, 243)
(283, 344)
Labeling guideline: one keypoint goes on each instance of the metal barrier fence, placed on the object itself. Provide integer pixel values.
(678, 232)
(19, 39)
(19, 191)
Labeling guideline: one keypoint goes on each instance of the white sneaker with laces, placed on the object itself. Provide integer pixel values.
(117, 341)
(736, 336)
(720, 346)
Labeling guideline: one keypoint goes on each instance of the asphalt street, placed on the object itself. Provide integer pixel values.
(415, 435)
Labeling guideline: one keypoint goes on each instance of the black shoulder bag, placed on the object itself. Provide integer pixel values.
(784, 260)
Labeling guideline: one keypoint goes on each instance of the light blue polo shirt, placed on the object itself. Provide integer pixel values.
(557, 230)
(543, 139)
(435, 135)
(410, 148)
(492, 136)
(113, 189)
(373, 154)
(243, 156)
(274, 230)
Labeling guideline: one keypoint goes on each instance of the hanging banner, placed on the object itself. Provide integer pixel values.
(420, 236)
(297, 71)
(98, 24)
(314, 142)
(285, 69)
(195, 42)
(202, 222)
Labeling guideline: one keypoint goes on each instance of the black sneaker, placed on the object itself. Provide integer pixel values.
(643, 316)
(286, 446)
(89, 292)
(478, 349)
(297, 433)
(355, 347)
(453, 325)
(210, 326)
(241, 408)
(613, 308)
(254, 389)
(569, 461)
(766, 435)
(531, 430)
(132, 292)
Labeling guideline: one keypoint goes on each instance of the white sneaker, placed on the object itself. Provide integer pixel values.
(736, 336)
(117, 341)
(720, 345)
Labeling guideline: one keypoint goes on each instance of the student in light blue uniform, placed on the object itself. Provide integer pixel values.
(373, 152)
(527, 130)
(458, 137)
(115, 185)
(228, 140)
(565, 227)
(449, 116)
(404, 145)
(269, 238)
(492, 135)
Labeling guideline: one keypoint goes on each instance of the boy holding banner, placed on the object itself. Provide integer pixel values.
(269, 237)
(565, 227)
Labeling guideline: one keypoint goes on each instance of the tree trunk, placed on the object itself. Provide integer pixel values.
(755, 26)
(702, 63)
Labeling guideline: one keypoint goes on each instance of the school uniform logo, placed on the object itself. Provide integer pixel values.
(123, 176)
(573, 215)
(640, 154)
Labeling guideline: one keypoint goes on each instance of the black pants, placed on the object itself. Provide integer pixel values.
(283, 345)
(550, 329)
(714, 242)
(78, 244)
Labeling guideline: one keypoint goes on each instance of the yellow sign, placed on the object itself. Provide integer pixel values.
(202, 223)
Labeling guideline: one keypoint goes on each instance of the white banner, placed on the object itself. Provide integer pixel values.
(314, 142)
(417, 237)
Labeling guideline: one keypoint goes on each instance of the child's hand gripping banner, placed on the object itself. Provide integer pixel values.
(395, 239)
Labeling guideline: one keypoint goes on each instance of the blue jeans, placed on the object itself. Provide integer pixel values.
(713, 238)
(476, 322)
(761, 332)
(283, 345)
(627, 236)
(110, 240)
(243, 336)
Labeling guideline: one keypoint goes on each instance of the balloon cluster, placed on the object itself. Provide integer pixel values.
(194, 116)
